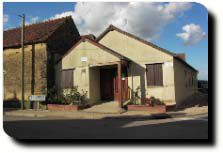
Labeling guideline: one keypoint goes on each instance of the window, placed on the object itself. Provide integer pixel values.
(189, 81)
(67, 78)
(154, 74)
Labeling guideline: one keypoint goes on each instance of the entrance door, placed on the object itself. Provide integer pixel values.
(106, 84)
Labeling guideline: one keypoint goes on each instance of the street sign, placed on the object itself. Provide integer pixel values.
(37, 98)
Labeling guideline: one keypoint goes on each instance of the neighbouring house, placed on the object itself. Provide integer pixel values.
(111, 66)
(45, 44)
(203, 84)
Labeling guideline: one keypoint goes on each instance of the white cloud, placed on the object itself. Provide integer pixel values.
(192, 34)
(142, 19)
(5, 18)
(64, 14)
(32, 20)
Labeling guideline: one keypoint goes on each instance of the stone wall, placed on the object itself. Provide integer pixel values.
(35, 71)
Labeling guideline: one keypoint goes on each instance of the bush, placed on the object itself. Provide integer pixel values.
(155, 101)
(73, 96)
(55, 97)
(152, 101)
(67, 96)
(136, 98)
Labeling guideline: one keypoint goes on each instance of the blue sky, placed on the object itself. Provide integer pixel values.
(176, 27)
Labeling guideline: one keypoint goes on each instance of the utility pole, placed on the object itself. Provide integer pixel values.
(22, 58)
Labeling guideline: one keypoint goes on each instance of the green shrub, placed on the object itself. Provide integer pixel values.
(136, 98)
(55, 97)
(73, 96)
(155, 101)
(67, 96)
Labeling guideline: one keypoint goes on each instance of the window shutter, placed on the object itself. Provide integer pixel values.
(158, 74)
(150, 75)
(154, 74)
(67, 79)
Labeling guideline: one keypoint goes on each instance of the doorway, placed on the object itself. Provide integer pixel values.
(107, 83)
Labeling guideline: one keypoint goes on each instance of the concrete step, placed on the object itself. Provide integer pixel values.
(111, 107)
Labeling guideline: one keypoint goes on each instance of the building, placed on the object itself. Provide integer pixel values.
(45, 44)
(117, 62)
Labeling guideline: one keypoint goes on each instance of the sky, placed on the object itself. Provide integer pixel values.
(177, 27)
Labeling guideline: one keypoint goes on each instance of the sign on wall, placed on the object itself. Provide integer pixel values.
(168, 64)
(83, 59)
(37, 98)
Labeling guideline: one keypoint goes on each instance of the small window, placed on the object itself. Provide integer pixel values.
(67, 79)
(154, 74)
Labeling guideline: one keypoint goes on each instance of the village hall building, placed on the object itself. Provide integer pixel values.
(108, 67)
(114, 64)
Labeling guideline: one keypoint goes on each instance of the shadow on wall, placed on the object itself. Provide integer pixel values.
(137, 70)
(12, 103)
(197, 99)
(58, 73)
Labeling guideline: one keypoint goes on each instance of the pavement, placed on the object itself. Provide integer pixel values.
(97, 112)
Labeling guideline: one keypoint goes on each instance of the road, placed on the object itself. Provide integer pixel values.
(106, 128)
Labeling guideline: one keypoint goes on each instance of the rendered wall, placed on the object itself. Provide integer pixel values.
(87, 78)
(143, 54)
(183, 83)
(95, 84)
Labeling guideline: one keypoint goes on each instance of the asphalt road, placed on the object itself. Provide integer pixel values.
(106, 128)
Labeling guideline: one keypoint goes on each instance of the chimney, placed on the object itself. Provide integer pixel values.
(182, 56)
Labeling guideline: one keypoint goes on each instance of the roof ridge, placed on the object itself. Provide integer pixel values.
(40, 22)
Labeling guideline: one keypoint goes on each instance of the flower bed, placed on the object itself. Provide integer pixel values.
(60, 107)
(150, 109)
(68, 99)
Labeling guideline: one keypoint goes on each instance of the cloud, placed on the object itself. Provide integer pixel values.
(32, 20)
(5, 18)
(192, 34)
(142, 19)
(64, 14)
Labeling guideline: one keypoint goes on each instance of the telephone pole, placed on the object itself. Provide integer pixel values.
(22, 59)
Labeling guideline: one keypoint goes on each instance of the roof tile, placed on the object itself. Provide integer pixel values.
(34, 33)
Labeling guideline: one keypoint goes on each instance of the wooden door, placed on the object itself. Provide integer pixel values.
(106, 84)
